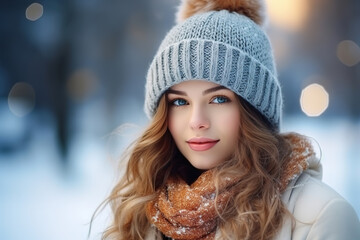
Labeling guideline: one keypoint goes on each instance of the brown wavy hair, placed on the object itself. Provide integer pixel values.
(255, 212)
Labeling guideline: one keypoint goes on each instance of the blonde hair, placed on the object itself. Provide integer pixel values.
(255, 212)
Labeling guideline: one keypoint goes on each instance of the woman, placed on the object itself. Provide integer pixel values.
(213, 164)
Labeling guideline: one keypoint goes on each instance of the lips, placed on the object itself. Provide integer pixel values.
(201, 144)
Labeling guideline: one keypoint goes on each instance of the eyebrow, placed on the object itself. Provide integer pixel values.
(207, 91)
(214, 89)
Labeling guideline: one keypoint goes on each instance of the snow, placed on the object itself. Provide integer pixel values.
(39, 200)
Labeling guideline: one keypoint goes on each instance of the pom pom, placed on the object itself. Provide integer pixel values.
(253, 9)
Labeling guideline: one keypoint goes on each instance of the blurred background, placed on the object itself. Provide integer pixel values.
(73, 71)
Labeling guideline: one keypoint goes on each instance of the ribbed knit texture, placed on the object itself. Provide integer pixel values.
(221, 47)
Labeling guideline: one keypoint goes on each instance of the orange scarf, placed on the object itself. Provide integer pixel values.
(183, 211)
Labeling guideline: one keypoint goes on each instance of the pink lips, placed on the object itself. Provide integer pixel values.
(201, 144)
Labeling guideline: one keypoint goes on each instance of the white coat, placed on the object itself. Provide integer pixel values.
(320, 212)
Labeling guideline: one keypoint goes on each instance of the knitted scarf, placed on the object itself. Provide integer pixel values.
(190, 212)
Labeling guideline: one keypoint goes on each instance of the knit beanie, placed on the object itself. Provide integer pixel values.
(222, 44)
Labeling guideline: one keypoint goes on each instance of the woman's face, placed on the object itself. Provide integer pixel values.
(204, 120)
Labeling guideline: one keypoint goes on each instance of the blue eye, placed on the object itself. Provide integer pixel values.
(220, 99)
(179, 102)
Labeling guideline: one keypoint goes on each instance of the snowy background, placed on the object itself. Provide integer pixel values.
(73, 71)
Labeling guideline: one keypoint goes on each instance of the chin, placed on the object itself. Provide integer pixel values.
(202, 165)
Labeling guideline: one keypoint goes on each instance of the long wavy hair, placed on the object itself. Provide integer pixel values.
(255, 212)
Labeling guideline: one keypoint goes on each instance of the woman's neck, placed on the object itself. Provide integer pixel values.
(187, 172)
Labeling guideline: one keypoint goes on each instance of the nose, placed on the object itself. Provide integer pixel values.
(199, 119)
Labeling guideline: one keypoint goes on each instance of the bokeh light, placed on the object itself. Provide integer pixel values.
(21, 99)
(34, 11)
(290, 15)
(81, 84)
(314, 100)
(348, 53)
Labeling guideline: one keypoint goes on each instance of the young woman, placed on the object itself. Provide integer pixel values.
(212, 163)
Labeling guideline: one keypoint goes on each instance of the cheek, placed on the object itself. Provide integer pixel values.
(230, 123)
(174, 123)
(171, 127)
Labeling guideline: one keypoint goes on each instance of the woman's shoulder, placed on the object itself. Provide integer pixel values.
(311, 196)
(320, 212)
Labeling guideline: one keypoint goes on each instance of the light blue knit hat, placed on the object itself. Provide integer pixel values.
(222, 47)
